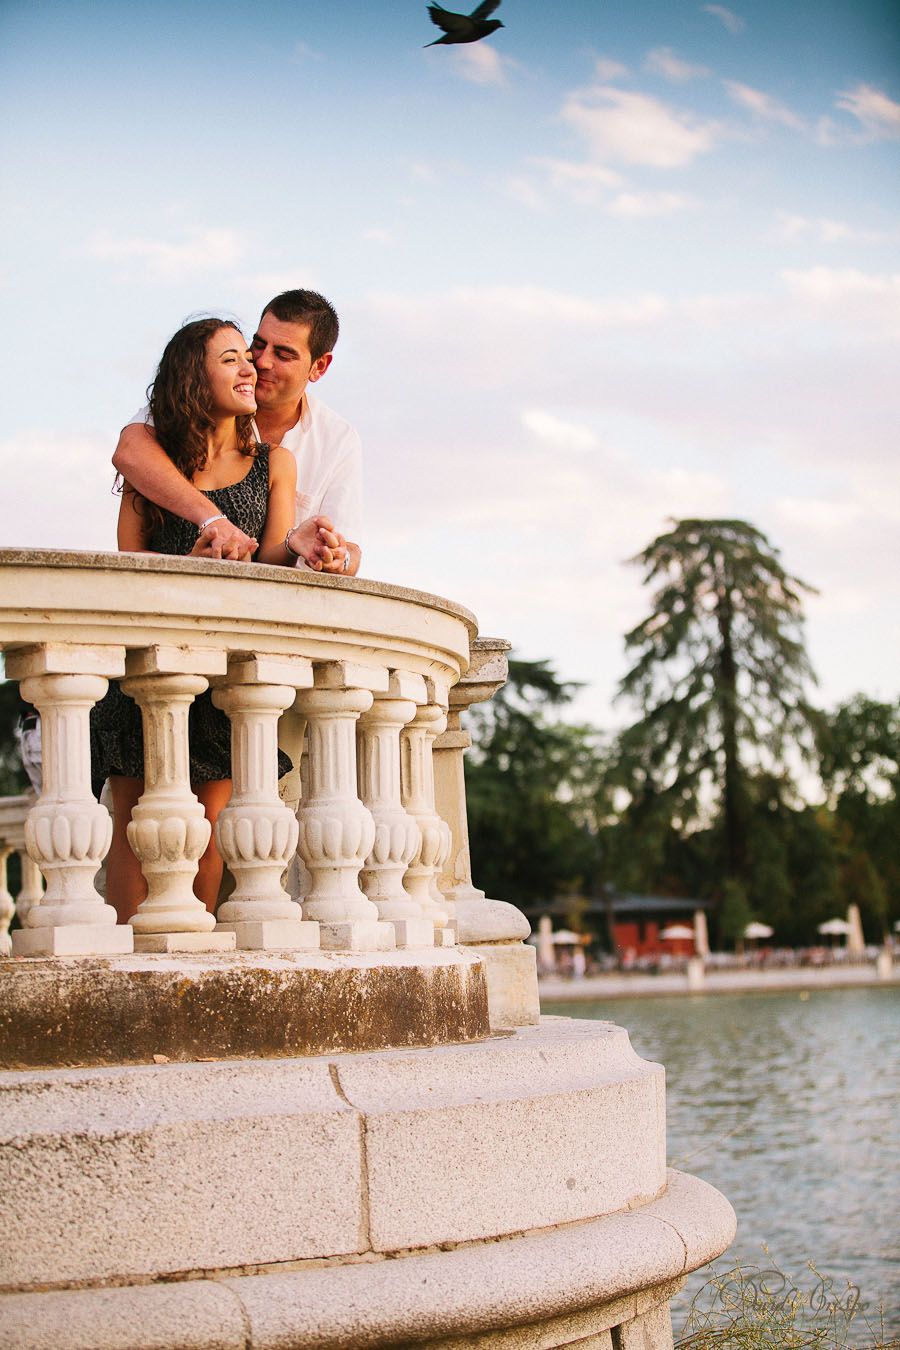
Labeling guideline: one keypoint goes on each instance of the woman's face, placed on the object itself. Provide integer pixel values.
(231, 374)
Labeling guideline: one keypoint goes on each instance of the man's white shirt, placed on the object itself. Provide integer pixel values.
(329, 465)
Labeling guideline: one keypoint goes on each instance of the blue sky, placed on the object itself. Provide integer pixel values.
(620, 262)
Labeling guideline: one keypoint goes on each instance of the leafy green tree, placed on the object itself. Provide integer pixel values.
(530, 786)
(720, 676)
(859, 764)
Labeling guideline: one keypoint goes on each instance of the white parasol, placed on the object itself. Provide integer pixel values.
(758, 930)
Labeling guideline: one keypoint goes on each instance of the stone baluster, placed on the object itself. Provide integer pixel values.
(336, 829)
(31, 889)
(397, 834)
(493, 928)
(417, 779)
(13, 813)
(256, 833)
(168, 830)
(67, 833)
(7, 907)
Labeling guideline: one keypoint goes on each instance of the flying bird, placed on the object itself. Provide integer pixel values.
(464, 27)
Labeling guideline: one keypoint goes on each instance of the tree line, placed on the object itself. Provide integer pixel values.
(730, 785)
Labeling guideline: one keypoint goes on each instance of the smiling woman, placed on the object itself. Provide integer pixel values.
(202, 402)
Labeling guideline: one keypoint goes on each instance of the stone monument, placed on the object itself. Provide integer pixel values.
(336, 1118)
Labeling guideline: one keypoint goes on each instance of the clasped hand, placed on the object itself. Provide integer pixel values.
(316, 539)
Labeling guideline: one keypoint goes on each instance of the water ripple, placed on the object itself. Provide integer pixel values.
(791, 1107)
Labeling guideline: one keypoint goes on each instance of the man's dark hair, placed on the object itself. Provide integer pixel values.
(308, 307)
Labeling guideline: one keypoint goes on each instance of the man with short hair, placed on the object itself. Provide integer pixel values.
(292, 348)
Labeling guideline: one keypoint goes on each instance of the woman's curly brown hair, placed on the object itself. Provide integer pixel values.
(181, 406)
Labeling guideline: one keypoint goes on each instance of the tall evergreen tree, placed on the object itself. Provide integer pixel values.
(720, 677)
(530, 783)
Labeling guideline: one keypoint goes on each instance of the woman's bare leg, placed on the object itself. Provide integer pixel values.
(125, 884)
(213, 796)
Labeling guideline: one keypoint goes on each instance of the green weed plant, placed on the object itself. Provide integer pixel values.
(755, 1308)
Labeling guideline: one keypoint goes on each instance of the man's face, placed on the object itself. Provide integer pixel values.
(284, 366)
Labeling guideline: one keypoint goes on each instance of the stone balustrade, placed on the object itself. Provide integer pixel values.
(307, 1090)
(13, 814)
(373, 672)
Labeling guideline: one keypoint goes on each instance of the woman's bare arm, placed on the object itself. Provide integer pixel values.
(140, 460)
(280, 512)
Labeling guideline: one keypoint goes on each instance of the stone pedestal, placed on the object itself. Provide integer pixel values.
(551, 1138)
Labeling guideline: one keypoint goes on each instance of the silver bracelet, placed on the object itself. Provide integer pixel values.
(289, 546)
(211, 521)
(346, 566)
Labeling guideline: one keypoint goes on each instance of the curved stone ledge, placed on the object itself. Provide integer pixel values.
(149, 1172)
(125, 1010)
(136, 598)
(588, 1277)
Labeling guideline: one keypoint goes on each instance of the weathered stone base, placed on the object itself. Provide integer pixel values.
(601, 1285)
(509, 1194)
(273, 935)
(125, 1010)
(78, 939)
(511, 972)
(159, 943)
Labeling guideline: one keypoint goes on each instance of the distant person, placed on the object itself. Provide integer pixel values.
(292, 348)
(202, 402)
(28, 736)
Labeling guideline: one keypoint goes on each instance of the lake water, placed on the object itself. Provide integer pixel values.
(790, 1105)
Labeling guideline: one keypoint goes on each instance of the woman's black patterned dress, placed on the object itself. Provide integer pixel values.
(117, 743)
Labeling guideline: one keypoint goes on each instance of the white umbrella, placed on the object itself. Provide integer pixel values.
(835, 928)
(677, 932)
(565, 935)
(758, 930)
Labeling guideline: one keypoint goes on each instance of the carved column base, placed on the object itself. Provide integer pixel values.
(358, 935)
(273, 935)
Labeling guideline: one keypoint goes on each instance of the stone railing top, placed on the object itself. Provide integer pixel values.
(131, 599)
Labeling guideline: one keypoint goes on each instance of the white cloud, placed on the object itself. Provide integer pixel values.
(858, 294)
(588, 184)
(634, 204)
(879, 114)
(637, 129)
(480, 63)
(607, 70)
(375, 235)
(817, 514)
(663, 61)
(557, 433)
(303, 52)
(825, 231)
(205, 250)
(482, 306)
(523, 190)
(733, 22)
(762, 106)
